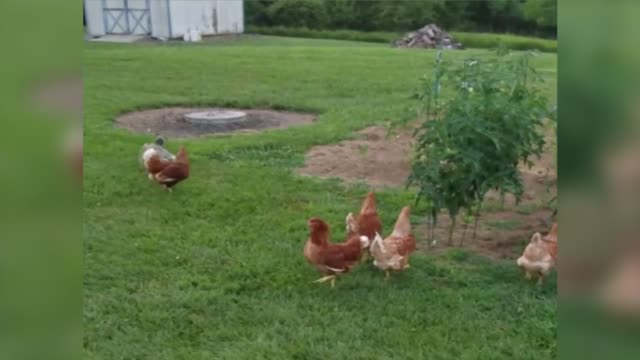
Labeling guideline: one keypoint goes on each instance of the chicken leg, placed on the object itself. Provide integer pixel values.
(328, 277)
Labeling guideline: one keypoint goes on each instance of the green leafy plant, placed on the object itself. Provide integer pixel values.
(483, 117)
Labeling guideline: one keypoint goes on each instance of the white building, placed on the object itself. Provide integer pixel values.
(163, 19)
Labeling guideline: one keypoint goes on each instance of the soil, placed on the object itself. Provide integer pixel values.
(492, 239)
(170, 122)
(382, 160)
(374, 158)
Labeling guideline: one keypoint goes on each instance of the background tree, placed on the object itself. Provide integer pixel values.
(299, 13)
(543, 12)
(532, 17)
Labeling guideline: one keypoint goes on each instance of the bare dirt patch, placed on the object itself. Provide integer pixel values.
(374, 158)
(171, 122)
(500, 235)
(382, 160)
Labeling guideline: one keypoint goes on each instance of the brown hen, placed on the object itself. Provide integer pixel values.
(332, 259)
(367, 223)
(539, 257)
(551, 242)
(168, 173)
(393, 252)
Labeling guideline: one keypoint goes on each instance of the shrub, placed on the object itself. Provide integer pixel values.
(469, 40)
(351, 35)
(513, 42)
(474, 142)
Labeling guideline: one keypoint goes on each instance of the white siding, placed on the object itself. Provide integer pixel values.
(192, 14)
(93, 13)
(170, 18)
(230, 16)
(160, 19)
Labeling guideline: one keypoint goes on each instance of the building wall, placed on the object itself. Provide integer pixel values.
(137, 4)
(95, 22)
(192, 14)
(160, 25)
(96, 16)
(230, 16)
(173, 18)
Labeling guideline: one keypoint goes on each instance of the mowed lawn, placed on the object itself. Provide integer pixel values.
(215, 269)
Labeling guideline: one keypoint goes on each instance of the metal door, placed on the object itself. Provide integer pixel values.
(126, 17)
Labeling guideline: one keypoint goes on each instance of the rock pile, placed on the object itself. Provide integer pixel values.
(430, 36)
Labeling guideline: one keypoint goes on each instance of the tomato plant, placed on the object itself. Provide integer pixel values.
(483, 117)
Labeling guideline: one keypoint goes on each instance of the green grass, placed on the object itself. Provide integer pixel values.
(469, 40)
(513, 42)
(215, 270)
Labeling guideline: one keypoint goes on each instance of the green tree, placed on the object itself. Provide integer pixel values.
(299, 13)
(255, 12)
(406, 15)
(450, 15)
(543, 12)
(366, 15)
(516, 16)
(340, 13)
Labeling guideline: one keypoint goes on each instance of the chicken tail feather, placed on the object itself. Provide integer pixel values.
(554, 230)
(369, 204)
(182, 155)
(403, 224)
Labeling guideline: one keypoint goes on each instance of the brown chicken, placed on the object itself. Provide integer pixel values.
(536, 260)
(332, 259)
(551, 242)
(167, 172)
(74, 152)
(367, 223)
(393, 252)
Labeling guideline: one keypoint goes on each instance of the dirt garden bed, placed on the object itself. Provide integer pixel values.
(385, 161)
(373, 158)
(171, 122)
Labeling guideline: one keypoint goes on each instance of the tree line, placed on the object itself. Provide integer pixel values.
(530, 17)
